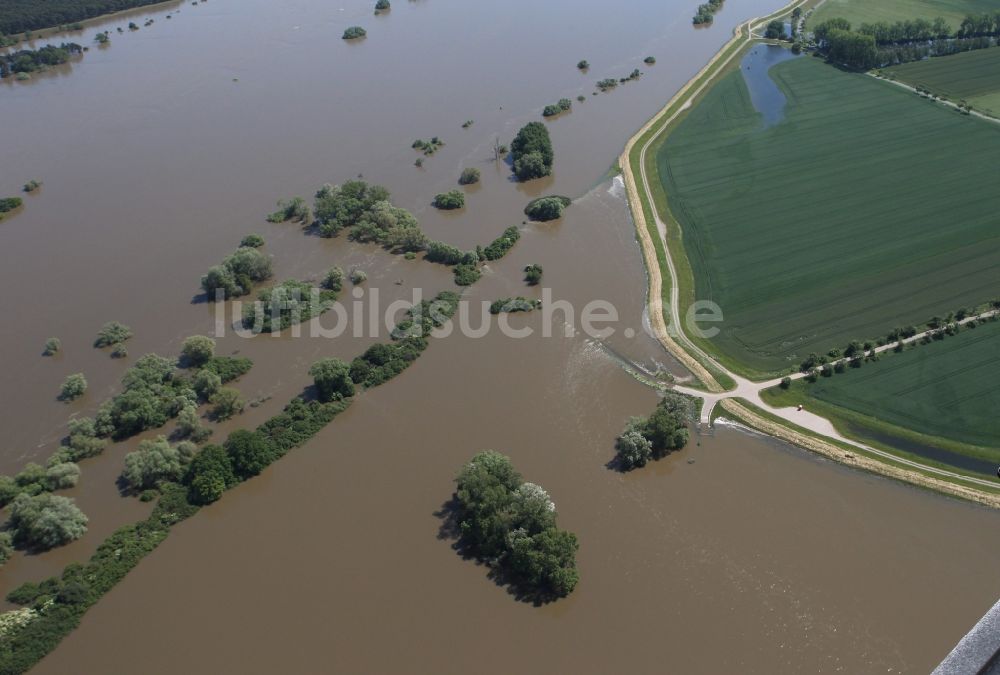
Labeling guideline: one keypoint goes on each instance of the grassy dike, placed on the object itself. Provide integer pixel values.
(644, 201)
(641, 150)
(853, 424)
(760, 420)
(654, 253)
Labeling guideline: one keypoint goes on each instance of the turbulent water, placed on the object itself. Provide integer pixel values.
(160, 152)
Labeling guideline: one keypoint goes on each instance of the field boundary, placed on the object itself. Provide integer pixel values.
(654, 238)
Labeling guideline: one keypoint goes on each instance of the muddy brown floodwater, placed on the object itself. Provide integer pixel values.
(160, 152)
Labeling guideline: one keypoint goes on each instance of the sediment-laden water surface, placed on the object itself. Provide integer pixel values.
(160, 152)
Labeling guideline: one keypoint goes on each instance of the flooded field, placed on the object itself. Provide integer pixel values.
(159, 152)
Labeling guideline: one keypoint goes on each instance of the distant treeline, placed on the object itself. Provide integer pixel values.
(884, 44)
(17, 16)
(33, 60)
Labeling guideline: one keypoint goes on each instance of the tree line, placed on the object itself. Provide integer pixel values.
(18, 16)
(882, 44)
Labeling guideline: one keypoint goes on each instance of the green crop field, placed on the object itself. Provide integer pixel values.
(866, 208)
(970, 76)
(870, 11)
(946, 388)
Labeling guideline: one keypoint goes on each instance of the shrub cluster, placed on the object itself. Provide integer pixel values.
(547, 208)
(448, 201)
(518, 304)
(562, 106)
(73, 387)
(470, 176)
(294, 209)
(237, 274)
(533, 274)
(289, 303)
(340, 206)
(111, 334)
(499, 247)
(428, 147)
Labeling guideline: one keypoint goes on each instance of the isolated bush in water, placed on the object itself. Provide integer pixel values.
(252, 241)
(546, 208)
(46, 521)
(453, 199)
(73, 387)
(469, 176)
(533, 274)
(112, 333)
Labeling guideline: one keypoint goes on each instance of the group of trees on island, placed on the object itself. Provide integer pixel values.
(237, 274)
(532, 152)
(365, 212)
(510, 525)
(653, 437)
